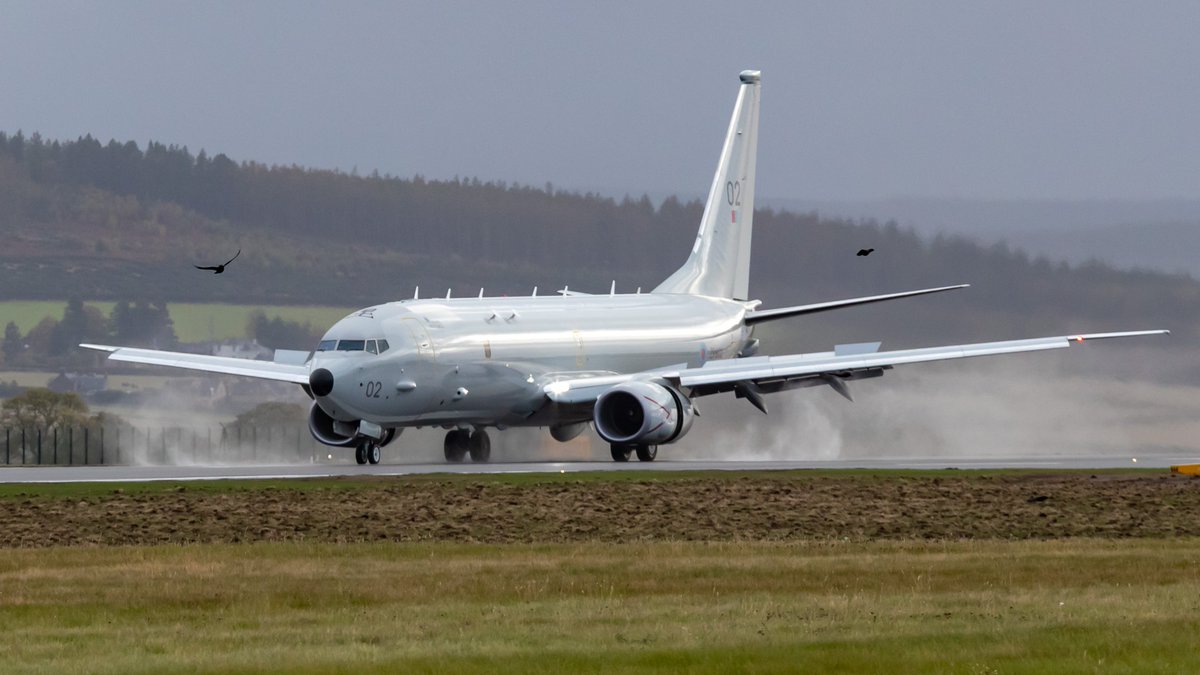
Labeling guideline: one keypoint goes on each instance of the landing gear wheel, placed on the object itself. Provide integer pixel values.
(455, 446)
(621, 453)
(360, 453)
(375, 453)
(647, 453)
(480, 447)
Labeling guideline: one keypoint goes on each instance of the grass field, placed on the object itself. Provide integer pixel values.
(960, 607)
(194, 322)
(608, 572)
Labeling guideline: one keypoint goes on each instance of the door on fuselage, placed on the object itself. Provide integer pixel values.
(421, 370)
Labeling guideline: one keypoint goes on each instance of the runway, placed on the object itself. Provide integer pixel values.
(75, 474)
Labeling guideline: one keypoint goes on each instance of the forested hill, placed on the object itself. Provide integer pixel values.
(118, 221)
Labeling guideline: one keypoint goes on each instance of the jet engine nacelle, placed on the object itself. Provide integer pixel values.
(330, 431)
(642, 412)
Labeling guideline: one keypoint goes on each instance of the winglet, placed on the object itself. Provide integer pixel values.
(100, 348)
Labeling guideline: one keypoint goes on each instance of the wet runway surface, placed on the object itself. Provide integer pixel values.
(60, 474)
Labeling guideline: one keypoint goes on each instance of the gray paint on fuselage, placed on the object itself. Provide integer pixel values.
(502, 351)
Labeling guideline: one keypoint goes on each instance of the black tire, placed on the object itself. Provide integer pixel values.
(455, 446)
(360, 453)
(374, 453)
(480, 447)
(620, 453)
(647, 453)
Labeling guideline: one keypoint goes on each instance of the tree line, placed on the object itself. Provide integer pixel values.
(53, 343)
(349, 239)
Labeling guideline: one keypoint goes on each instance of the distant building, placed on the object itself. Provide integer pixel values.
(206, 389)
(243, 349)
(83, 384)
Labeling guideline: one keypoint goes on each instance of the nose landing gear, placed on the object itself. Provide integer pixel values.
(460, 442)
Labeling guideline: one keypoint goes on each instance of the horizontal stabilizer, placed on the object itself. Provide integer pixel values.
(759, 316)
(856, 348)
(294, 357)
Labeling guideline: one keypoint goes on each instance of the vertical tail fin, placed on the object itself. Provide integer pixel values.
(719, 265)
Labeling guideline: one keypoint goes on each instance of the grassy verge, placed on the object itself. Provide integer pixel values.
(968, 607)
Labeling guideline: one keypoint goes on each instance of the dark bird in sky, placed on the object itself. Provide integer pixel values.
(220, 268)
(864, 251)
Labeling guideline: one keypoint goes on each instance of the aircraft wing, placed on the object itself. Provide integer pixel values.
(263, 370)
(750, 377)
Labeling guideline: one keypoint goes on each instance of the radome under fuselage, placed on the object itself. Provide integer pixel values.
(483, 361)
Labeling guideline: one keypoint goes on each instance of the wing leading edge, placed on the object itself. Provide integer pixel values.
(766, 374)
(263, 370)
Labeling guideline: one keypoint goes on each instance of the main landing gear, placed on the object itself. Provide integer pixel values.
(368, 450)
(460, 442)
(645, 453)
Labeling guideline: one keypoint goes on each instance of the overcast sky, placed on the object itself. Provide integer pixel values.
(1077, 100)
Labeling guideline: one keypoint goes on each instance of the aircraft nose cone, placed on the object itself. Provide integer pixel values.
(321, 382)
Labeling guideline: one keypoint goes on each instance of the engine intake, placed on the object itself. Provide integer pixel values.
(328, 430)
(642, 412)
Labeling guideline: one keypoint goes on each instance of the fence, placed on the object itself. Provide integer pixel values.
(95, 445)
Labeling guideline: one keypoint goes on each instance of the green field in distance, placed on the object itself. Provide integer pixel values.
(194, 321)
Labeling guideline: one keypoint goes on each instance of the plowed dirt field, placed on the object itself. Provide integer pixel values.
(769, 507)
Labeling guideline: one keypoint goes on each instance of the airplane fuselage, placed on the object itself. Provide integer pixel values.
(485, 361)
(630, 365)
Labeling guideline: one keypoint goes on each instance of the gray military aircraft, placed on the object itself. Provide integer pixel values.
(630, 364)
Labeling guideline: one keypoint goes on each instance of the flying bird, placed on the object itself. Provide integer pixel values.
(864, 251)
(220, 268)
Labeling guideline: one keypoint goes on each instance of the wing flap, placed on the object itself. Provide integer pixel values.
(263, 370)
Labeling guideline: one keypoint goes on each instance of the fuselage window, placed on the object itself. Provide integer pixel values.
(383, 346)
(327, 345)
(351, 345)
(371, 347)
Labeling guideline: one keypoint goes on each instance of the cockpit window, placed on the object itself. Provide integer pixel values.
(369, 346)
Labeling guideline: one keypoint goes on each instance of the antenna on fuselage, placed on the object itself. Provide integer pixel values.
(447, 293)
(612, 290)
(481, 292)
(534, 292)
(417, 293)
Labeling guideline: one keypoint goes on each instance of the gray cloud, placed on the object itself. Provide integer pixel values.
(1072, 99)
